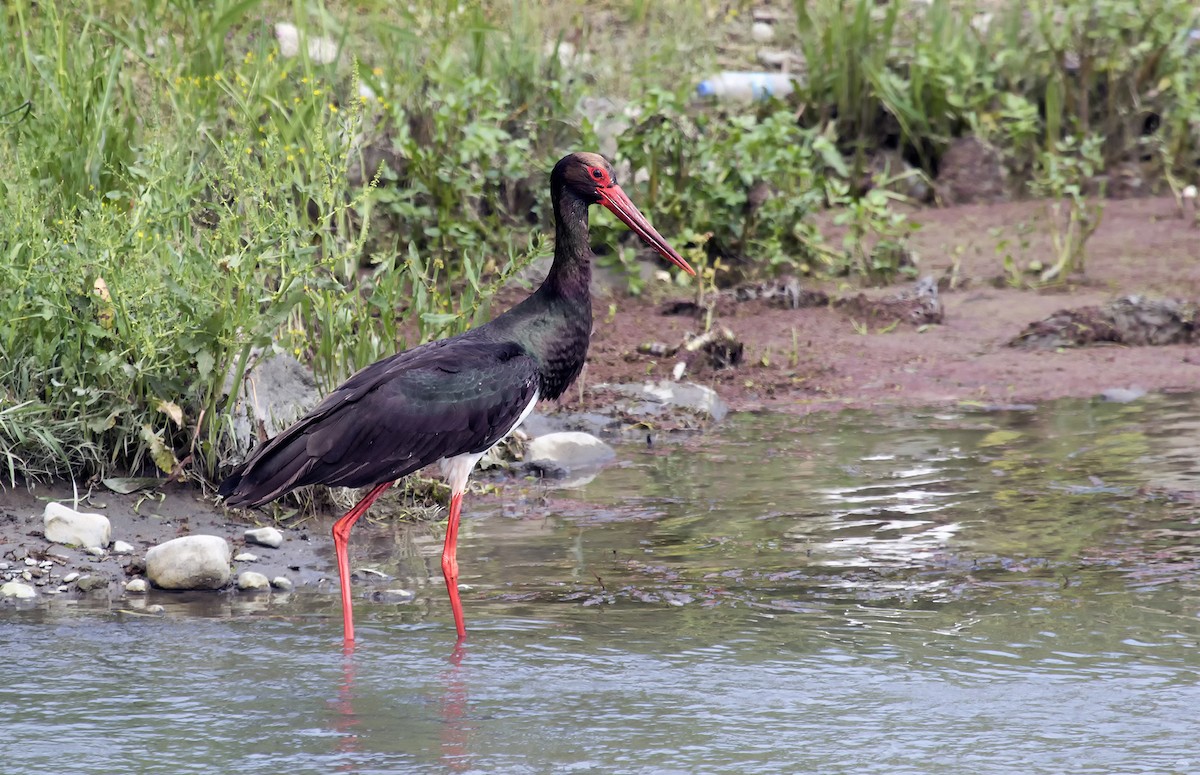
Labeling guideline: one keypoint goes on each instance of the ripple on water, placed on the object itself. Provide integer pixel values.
(904, 593)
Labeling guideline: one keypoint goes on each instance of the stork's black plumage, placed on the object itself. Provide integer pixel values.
(450, 401)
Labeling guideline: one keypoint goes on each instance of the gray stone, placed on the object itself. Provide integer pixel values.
(16, 589)
(120, 547)
(398, 595)
(282, 583)
(1122, 395)
(95, 551)
(662, 395)
(245, 557)
(137, 587)
(67, 579)
(251, 580)
(567, 450)
(275, 390)
(264, 536)
(64, 525)
(88, 583)
(190, 562)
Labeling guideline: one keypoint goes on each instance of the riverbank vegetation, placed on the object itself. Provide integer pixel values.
(185, 184)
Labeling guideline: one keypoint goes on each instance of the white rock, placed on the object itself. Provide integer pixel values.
(67, 579)
(321, 50)
(250, 580)
(64, 525)
(190, 562)
(137, 587)
(17, 590)
(282, 583)
(95, 551)
(245, 557)
(1189, 192)
(762, 32)
(120, 547)
(568, 450)
(265, 536)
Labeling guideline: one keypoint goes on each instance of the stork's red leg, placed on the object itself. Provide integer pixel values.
(341, 538)
(450, 563)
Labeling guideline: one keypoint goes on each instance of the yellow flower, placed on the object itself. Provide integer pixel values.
(290, 157)
(141, 235)
(332, 108)
(216, 76)
(249, 150)
(377, 71)
(316, 92)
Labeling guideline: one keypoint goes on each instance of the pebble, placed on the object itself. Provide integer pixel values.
(251, 580)
(120, 547)
(137, 587)
(245, 557)
(282, 583)
(156, 609)
(4, 566)
(67, 579)
(64, 525)
(95, 551)
(190, 562)
(1119, 395)
(265, 536)
(88, 583)
(17, 590)
(762, 32)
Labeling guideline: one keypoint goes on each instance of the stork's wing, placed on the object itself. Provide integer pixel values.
(446, 398)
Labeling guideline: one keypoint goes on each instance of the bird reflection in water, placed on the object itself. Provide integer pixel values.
(452, 702)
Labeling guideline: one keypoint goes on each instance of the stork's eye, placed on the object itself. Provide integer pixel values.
(597, 174)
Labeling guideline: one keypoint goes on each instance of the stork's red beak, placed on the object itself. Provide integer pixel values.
(615, 199)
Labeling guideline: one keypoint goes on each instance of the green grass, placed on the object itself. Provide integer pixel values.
(185, 193)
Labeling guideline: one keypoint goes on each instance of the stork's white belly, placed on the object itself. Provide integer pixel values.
(457, 469)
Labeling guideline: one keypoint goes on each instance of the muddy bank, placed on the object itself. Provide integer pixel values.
(795, 360)
(821, 358)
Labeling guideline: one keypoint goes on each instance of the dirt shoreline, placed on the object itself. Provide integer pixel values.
(795, 360)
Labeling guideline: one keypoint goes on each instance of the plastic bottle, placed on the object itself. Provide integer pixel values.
(746, 86)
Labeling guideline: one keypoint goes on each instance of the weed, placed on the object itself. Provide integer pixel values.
(1074, 216)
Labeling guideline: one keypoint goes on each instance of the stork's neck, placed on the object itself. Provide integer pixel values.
(571, 273)
(555, 323)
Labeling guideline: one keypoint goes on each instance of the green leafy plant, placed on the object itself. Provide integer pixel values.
(1061, 178)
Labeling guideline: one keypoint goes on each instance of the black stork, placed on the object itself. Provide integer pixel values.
(452, 400)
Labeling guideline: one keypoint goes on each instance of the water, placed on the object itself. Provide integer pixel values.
(911, 592)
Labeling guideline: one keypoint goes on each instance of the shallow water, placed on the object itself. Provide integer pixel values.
(910, 592)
